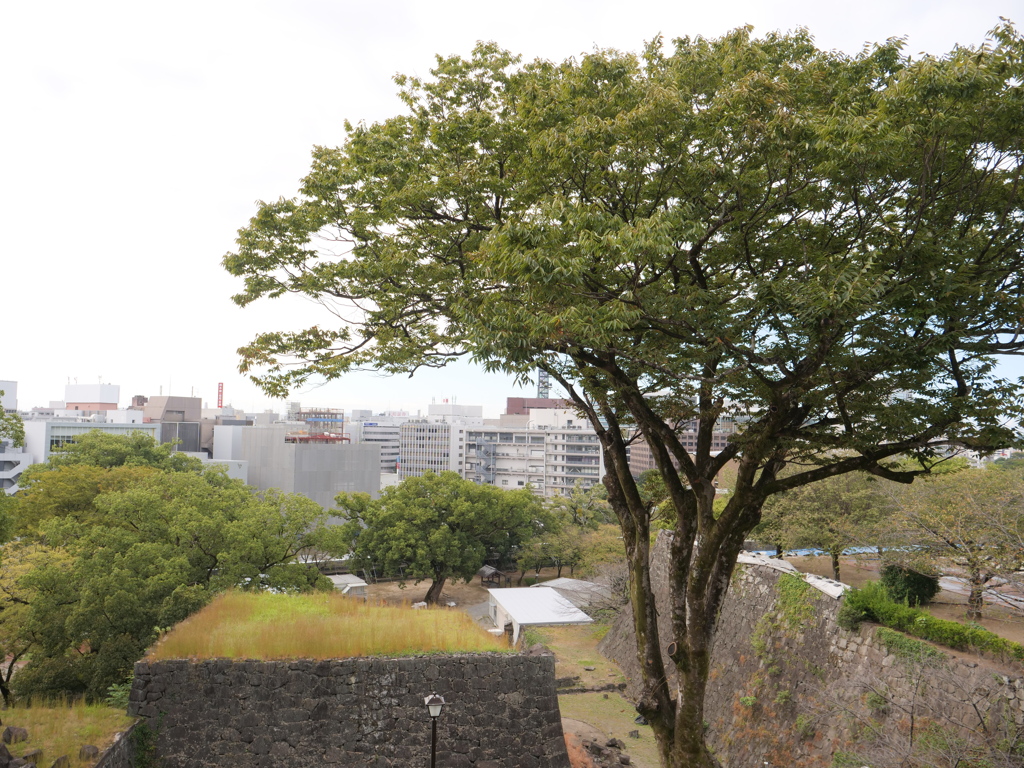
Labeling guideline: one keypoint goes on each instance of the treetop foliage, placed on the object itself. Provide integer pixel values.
(827, 244)
(439, 527)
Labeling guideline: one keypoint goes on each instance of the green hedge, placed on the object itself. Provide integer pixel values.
(872, 603)
(907, 586)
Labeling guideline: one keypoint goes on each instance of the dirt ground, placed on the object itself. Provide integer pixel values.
(458, 592)
(946, 605)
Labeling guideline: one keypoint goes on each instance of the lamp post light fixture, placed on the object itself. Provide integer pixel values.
(434, 704)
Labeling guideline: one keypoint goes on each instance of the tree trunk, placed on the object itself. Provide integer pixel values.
(434, 593)
(835, 564)
(976, 597)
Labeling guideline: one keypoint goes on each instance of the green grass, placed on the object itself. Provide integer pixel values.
(614, 716)
(575, 647)
(60, 729)
(319, 626)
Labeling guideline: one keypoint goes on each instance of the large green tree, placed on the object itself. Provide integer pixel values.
(825, 247)
(438, 527)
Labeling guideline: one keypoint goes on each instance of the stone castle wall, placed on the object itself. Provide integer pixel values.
(501, 712)
(789, 687)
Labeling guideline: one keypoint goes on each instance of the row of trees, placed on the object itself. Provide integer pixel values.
(964, 522)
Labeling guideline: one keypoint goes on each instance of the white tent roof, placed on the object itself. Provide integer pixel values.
(347, 580)
(542, 605)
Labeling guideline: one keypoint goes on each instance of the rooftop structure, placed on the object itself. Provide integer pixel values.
(530, 607)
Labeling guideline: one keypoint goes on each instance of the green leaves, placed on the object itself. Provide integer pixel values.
(826, 249)
(11, 427)
(438, 527)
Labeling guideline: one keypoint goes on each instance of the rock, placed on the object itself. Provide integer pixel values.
(61, 762)
(589, 669)
(624, 759)
(33, 756)
(615, 744)
(13, 734)
(88, 752)
(640, 720)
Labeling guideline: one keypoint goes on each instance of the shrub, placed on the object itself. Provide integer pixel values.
(805, 726)
(117, 695)
(907, 586)
(872, 603)
(877, 703)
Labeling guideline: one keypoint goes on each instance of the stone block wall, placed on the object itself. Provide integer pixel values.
(789, 687)
(501, 712)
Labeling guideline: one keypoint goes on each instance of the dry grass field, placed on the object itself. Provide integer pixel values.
(60, 729)
(319, 626)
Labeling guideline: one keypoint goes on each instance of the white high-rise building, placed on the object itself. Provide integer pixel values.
(549, 449)
(437, 443)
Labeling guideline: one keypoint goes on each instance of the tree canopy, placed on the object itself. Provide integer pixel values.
(832, 515)
(438, 527)
(968, 524)
(107, 555)
(825, 247)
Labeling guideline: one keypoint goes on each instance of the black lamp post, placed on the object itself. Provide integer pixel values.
(434, 704)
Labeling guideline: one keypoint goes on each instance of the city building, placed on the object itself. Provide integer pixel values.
(281, 456)
(13, 459)
(45, 435)
(388, 436)
(437, 443)
(88, 399)
(551, 450)
(9, 398)
(641, 458)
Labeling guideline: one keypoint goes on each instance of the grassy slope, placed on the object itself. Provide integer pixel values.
(62, 730)
(575, 647)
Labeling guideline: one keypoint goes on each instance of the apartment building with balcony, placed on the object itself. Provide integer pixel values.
(549, 450)
(437, 443)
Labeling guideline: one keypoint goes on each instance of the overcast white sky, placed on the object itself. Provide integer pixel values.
(137, 136)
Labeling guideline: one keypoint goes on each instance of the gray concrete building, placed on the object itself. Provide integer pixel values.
(317, 470)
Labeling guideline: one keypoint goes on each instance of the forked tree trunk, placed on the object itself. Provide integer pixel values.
(434, 593)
